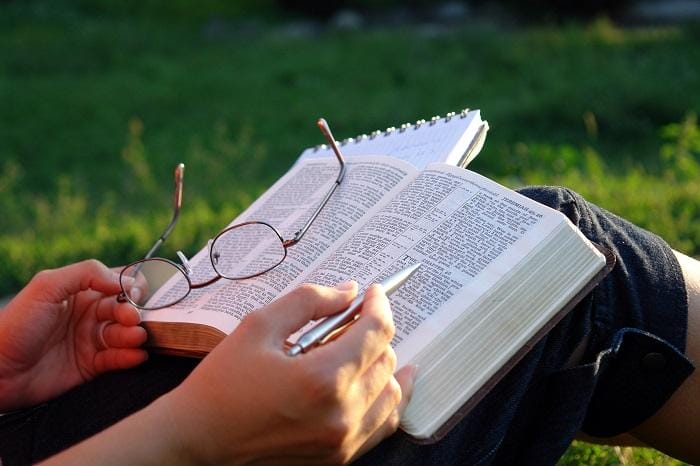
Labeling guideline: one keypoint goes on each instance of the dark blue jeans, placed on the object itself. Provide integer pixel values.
(607, 366)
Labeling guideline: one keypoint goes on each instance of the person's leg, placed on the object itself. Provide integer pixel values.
(31, 435)
(675, 428)
(605, 368)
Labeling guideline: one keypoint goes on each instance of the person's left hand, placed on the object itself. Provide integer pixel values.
(64, 328)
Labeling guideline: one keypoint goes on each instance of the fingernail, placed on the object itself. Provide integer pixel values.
(346, 285)
(413, 371)
(135, 294)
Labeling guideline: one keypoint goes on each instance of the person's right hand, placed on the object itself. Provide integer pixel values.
(249, 402)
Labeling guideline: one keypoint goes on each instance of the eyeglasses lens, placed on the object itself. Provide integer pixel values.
(247, 250)
(142, 280)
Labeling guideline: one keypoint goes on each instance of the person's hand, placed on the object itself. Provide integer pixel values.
(248, 401)
(64, 328)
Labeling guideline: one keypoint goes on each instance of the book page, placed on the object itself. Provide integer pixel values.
(467, 231)
(287, 205)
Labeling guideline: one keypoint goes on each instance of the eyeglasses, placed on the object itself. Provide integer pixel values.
(241, 251)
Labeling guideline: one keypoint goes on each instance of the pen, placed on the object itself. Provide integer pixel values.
(329, 325)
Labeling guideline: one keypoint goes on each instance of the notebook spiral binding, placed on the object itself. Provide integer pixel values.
(401, 129)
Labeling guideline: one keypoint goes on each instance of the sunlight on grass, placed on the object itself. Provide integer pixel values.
(580, 453)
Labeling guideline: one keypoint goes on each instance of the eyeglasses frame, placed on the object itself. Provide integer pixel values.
(177, 204)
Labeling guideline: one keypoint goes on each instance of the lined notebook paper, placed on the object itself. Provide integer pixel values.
(455, 139)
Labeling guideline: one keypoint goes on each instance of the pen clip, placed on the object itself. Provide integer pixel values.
(337, 332)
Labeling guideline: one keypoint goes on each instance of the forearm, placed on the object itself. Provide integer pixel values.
(149, 436)
(247, 401)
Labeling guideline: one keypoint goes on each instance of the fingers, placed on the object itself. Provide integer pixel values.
(136, 286)
(367, 338)
(386, 394)
(382, 419)
(385, 415)
(117, 346)
(406, 376)
(119, 358)
(58, 284)
(308, 302)
(124, 313)
(375, 378)
(118, 336)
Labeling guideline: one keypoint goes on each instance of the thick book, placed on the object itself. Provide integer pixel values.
(498, 270)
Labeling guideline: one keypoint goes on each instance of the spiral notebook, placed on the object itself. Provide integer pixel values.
(454, 139)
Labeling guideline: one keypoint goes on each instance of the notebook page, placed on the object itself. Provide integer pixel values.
(445, 139)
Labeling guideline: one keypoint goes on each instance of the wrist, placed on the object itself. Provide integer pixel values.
(177, 434)
(188, 430)
(12, 393)
(206, 433)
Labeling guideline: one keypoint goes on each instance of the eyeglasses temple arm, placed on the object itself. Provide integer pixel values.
(177, 204)
(325, 129)
(300, 233)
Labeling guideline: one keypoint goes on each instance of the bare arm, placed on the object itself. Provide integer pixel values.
(675, 428)
(249, 402)
(65, 328)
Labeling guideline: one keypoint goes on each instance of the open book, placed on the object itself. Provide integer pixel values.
(497, 271)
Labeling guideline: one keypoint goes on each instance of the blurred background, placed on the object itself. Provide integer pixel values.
(99, 99)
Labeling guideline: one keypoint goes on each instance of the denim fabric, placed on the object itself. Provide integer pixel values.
(31, 435)
(631, 328)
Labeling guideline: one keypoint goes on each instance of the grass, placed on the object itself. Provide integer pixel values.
(601, 455)
(96, 109)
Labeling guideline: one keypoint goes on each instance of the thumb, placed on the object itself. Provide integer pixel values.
(58, 284)
(406, 377)
(305, 303)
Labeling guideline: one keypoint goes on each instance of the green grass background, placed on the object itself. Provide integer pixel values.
(98, 104)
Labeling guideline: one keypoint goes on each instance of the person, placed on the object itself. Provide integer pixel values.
(619, 363)
(65, 328)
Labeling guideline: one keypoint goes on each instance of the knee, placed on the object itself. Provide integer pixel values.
(551, 196)
(558, 198)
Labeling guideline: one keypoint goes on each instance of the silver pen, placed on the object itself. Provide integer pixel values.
(329, 325)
